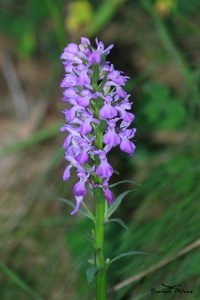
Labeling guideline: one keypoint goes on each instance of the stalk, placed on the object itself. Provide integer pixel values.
(101, 286)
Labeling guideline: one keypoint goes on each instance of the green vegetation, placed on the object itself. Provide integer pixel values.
(45, 251)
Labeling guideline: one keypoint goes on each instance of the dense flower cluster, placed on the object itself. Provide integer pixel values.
(98, 116)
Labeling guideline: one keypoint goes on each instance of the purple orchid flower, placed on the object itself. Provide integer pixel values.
(93, 98)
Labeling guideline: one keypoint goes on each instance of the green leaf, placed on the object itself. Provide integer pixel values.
(98, 102)
(174, 115)
(90, 274)
(162, 111)
(158, 91)
(118, 220)
(123, 181)
(18, 281)
(84, 210)
(126, 254)
(102, 126)
(101, 85)
(95, 76)
(112, 208)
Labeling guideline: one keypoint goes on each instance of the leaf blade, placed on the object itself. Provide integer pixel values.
(126, 254)
(112, 208)
(83, 210)
(124, 181)
(119, 221)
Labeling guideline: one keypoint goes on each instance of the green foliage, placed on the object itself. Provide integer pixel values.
(26, 23)
(163, 237)
(34, 139)
(81, 252)
(18, 281)
(186, 181)
(188, 8)
(161, 110)
(104, 14)
(161, 215)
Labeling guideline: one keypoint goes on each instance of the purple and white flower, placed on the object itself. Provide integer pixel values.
(98, 116)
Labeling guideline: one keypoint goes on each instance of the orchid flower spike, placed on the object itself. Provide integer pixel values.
(97, 116)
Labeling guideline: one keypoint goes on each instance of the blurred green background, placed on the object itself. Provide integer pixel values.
(157, 44)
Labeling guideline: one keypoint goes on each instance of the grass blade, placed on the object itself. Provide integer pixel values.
(104, 14)
(18, 281)
(34, 139)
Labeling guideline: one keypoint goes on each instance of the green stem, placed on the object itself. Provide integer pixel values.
(101, 288)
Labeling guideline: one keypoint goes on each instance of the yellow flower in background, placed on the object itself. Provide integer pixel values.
(79, 15)
(165, 7)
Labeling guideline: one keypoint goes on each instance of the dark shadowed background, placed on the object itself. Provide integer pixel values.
(157, 44)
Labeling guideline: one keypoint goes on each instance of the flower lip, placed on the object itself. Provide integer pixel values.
(127, 146)
(79, 189)
(108, 111)
(94, 57)
(111, 138)
(104, 170)
(109, 195)
(82, 158)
